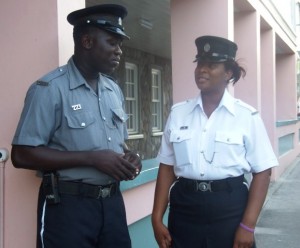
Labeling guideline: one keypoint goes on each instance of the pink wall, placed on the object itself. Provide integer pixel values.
(268, 84)
(286, 86)
(287, 159)
(189, 21)
(29, 45)
(139, 202)
(247, 39)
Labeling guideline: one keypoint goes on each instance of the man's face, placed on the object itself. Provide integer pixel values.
(105, 52)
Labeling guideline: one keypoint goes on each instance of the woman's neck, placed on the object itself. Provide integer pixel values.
(210, 101)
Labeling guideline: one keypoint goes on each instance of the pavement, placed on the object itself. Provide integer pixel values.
(279, 222)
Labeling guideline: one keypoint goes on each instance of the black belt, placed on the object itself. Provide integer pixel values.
(212, 185)
(87, 190)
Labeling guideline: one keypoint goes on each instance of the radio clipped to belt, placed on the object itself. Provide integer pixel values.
(50, 187)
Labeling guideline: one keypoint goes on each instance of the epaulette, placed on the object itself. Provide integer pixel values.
(110, 77)
(247, 106)
(180, 104)
(42, 83)
(46, 79)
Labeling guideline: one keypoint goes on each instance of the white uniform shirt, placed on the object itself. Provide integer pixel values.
(233, 141)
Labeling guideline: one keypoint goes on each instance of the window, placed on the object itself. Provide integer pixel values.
(131, 97)
(156, 101)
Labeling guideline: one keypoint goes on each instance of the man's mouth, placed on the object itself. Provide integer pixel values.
(116, 61)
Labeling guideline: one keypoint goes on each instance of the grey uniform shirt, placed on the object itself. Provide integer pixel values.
(62, 112)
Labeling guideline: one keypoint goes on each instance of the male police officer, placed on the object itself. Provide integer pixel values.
(72, 129)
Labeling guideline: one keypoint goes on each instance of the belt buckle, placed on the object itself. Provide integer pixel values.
(104, 192)
(203, 186)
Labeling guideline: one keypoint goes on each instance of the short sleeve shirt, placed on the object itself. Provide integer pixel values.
(62, 112)
(231, 142)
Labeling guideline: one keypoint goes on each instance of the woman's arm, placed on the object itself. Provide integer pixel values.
(165, 179)
(257, 195)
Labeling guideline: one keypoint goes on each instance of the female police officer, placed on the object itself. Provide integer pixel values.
(209, 143)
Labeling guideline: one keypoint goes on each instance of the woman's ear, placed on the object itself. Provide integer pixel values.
(228, 75)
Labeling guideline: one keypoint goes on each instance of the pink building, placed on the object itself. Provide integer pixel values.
(36, 38)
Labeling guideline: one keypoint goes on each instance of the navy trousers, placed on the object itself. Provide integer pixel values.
(205, 219)
(81, 222)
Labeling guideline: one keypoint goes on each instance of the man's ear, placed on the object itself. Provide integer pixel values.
(86, 41)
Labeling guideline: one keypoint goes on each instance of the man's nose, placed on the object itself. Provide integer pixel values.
(119, 50)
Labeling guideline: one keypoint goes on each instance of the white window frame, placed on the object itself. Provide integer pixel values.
(156, 100)
(131, 97)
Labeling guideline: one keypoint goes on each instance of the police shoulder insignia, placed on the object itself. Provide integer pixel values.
(54, 74)
(42, 83)
(254, 113)
(180, 104)
(247, 106)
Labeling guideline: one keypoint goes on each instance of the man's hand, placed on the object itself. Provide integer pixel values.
(113, 164)
(133, 158)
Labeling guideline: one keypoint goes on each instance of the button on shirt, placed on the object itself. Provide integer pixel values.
(233, 141)
(62, 112)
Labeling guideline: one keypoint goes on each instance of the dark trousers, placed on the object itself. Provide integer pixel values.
(81, 222)
(205, 219)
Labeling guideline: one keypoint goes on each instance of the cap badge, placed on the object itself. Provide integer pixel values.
(120, 21)
(206, 47)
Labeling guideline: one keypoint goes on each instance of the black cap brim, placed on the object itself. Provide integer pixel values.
(112, 9)
(112, 25)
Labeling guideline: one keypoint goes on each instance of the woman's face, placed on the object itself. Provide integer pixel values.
(211, 76)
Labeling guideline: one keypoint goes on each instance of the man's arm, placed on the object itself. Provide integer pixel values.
(47, 159)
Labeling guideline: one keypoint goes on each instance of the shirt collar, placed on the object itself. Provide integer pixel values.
(76, 78)
(227, 102)
(105, 83)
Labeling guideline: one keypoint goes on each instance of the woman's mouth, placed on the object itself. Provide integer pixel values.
(202, 79)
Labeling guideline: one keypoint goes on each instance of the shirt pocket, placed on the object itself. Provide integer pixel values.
(80, 120)
(182, 145)
(119, 117)
(229, 138)
(229, 148)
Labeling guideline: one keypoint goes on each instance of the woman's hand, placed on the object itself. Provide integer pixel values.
(162, 235)
(243, 239)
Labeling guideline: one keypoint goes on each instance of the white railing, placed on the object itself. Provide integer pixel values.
(4, 154)
(2, 168)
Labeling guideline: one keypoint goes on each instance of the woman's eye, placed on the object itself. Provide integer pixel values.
(209, 65)
(213, 65)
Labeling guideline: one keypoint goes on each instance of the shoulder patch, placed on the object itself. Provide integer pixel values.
(247, 106)
(42, 83)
